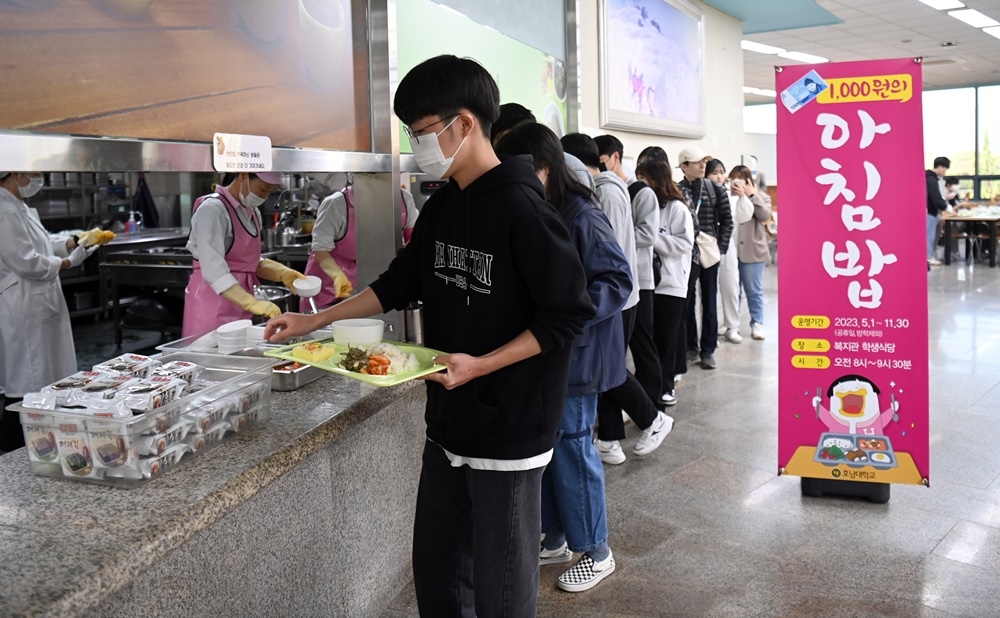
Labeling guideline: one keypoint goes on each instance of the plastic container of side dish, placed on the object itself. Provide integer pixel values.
(128, 452)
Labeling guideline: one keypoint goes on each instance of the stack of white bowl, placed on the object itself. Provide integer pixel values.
(255, 334)
(232, 337)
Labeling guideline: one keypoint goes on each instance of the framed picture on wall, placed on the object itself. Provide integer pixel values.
(652, 67)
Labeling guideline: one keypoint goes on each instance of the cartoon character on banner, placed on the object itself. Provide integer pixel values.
(854, 406)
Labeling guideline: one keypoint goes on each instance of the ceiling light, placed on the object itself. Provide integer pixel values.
(943, 5)
(749, 90)
(974, 18)
(760, 48)
(801, 57)
(767, 93)
(994, 31)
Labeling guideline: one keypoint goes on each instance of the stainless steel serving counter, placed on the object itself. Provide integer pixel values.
(307, 514)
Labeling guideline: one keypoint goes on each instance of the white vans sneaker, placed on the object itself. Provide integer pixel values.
(757, 331)
(586, 574)
(611, 452)
(653, 436)
(555, 556)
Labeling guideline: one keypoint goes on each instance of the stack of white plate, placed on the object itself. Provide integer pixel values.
(232, 337)
(255, 334)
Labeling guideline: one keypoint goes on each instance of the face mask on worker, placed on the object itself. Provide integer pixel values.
(34, 186)
(251, 199)
(429, 156)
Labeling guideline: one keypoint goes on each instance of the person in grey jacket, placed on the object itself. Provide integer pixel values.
(753, 252)
(645, 221)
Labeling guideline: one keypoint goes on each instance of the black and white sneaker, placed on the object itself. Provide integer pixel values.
(653, 435)
(555, 556)
(586, 574)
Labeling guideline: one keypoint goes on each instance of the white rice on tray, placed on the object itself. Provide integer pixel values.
(400, 361)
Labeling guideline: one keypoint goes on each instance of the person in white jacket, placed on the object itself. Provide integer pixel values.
(36, 339)
(729, 270)
(673, 244)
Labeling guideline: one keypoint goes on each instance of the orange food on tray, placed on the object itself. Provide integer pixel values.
(313, 351)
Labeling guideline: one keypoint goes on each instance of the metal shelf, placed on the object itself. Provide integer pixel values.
(95, 310)
(81, 279)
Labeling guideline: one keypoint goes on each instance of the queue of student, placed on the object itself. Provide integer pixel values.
(585, 263)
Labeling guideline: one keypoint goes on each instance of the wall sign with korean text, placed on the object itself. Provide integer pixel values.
(232, 152)
(852, 279)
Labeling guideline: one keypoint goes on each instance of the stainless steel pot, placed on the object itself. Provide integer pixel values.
(413, 324)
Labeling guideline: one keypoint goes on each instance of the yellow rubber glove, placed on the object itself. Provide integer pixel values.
(245, 301)
(96, 236)
(341, 284)
(273, 271)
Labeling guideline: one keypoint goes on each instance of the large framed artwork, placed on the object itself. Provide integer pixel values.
(652, 67)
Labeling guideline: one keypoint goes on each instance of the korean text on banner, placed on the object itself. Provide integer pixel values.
(852, 283)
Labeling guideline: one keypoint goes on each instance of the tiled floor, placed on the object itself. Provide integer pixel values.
(705, 527)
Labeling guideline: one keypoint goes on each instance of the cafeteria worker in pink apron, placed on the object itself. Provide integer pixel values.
(225, 241)
(334, 256)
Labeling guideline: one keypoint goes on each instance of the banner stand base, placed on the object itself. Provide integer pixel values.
(874, 492)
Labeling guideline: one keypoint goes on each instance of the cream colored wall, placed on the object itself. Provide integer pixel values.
(724, 137)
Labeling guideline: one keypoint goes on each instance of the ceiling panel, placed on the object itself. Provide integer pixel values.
(874, 29)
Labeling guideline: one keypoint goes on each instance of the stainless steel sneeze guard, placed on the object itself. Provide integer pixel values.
(20, 151)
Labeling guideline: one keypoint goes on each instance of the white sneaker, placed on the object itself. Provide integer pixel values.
(555, 556)
(757, 331)
(934, 262)
(653, 436)
(733, 336)
(669, 399)
(586, 574)
(722, 330)
(678, 377)
(611, 452)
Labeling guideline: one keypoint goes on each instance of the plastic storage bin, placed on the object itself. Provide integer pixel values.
(131, 451)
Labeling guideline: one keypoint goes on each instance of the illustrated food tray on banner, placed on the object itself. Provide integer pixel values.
(852, 283)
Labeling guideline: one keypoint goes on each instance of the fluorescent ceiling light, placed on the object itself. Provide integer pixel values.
(759, 91)
(760, 48)
(994, 31)
(974, 18)
(801, 57)
(749, 90)
(943, 5)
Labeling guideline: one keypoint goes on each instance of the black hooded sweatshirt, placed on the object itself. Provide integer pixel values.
(489, 263)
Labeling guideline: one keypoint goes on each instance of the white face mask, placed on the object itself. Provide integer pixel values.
(34, 185)
(430, 158)
(252, 200)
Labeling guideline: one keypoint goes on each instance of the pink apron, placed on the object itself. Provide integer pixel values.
(345, 253)
(204, 310)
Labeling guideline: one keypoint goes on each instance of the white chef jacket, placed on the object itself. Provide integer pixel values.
(331, 219)
(36, 339)
(211, 238)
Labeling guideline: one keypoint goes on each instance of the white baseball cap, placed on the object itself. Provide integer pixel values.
(692, 154)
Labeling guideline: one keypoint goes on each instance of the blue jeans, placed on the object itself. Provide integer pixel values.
(573, 483)
(932, 222)
(751, 280)
(475, 540)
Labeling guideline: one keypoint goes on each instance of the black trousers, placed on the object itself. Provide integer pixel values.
(668, 329)
(11, 435)
(475, 540)
(644, 353)
(680, 360)
(709, 280)
(628, 396)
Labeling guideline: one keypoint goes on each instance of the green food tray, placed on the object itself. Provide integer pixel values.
(425, 359)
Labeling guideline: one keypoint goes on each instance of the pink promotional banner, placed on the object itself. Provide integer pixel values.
(852, 280)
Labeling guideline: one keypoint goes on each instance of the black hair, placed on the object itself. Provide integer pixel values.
(944, 162)
(445, 85)
(511, 115)
(950, 180)
(850, 378)
(582, 147)
(660, 179)
(608, 145)
(655, 153)
(712, 164)
(808, 81)
(542, 144)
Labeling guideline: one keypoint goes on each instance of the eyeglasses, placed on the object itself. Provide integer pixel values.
(412, 134)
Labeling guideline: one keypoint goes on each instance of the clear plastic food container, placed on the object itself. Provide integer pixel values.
(128, 452)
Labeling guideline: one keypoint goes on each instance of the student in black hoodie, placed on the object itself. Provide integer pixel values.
(504, 294)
